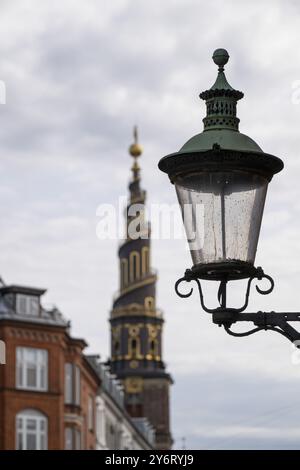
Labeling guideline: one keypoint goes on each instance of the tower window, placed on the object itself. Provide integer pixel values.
(153, 348)
(149, 303)
(134, 266)
(133, 348)
(145, 260)
(124, 273)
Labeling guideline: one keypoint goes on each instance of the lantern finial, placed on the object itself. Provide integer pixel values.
(220, 58)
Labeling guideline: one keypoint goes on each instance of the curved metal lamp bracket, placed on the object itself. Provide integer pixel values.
(225, 316)
(222, 292)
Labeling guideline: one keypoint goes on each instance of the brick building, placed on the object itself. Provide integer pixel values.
(49, 390)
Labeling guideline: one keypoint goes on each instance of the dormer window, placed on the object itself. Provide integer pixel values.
(28, 305)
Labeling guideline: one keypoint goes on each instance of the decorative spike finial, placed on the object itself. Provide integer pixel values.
(135, 134)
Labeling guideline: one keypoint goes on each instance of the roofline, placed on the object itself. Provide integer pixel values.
(79, 341)
(23, 322)
(91, 369)
(14, 288)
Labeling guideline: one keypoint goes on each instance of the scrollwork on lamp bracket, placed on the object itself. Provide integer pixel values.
(226, 316)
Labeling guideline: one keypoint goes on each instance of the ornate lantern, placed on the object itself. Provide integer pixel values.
(221, 178)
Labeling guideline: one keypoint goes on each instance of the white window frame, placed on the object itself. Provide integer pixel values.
(28, 305)
(73, 438)
(77, 384)
(40, 432)
(72, 384)
(78, 439)
(23, 362)
(68, 383)
(68, 438)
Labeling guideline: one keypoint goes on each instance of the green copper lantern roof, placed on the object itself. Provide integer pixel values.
(225, 138)
(221, 124)
(220, 145)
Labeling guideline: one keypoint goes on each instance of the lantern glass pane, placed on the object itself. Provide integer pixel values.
(222, 213)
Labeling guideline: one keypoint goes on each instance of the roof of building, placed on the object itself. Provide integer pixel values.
(8, 311)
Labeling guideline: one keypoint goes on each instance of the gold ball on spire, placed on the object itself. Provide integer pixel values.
(135, 150)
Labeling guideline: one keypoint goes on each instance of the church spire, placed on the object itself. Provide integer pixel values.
(136, 150)
(136, 323)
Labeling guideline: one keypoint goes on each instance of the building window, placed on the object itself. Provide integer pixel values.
(77, 439)
(32, 369)
(68, 438)
(68, 383)
(72, 438)
(110, 435)
(100, 422)
(72, 384)
(28, 305)
(77, 386)
(91, 413)
(31, 426)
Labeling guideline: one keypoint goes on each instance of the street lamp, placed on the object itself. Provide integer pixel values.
(221, 178)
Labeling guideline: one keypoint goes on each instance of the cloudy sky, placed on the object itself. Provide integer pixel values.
(78, 76)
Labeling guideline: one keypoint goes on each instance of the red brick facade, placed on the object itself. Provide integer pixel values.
(61, 349)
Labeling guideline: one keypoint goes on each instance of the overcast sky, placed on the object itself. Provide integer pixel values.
(79, 75)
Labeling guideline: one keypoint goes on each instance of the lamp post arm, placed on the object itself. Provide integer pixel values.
(274, 321)
(226, 316)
